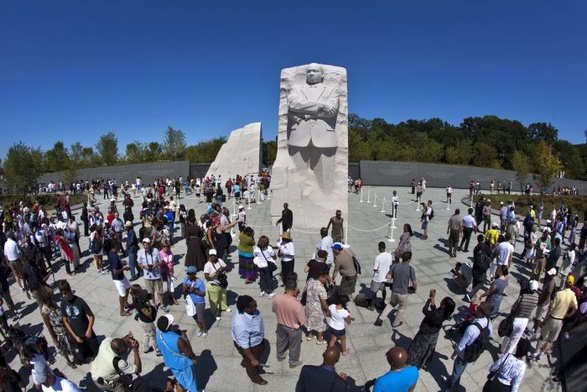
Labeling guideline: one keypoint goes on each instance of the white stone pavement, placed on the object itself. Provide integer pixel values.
(219, 363)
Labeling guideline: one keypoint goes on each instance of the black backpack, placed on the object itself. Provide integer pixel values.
(431, 214)
(475, 349)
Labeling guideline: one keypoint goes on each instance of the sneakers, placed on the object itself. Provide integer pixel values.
(468, 297)
(218, 318)
(378, 323)
(199, 334)
(536, 356)
(165, 309)
(228, 310)
(271, 295)
(204, 334)
(262, 294)
(295, 365)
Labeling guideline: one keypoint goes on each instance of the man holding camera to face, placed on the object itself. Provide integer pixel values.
(150, 262)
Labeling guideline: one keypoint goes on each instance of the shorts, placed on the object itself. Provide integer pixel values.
(122, 286)
(16, 267)
(551, 329)
(337, 332)
(541, 311)
(154, 286)
(425, 225)
(377, 286)
(200, 313)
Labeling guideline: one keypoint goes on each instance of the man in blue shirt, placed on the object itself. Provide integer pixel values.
(248, 334)
(400, 378)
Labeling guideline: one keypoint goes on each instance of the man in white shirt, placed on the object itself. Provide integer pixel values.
(13, 257)
(469, 225)
(503, 255)
(326, 243)
(471, 333)
(149, 260)
(380, 269)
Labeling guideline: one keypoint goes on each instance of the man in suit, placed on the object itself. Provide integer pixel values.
(313, 108)
(324, 377)
(286, 219)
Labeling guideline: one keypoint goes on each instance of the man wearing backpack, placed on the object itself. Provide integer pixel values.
(474, 341)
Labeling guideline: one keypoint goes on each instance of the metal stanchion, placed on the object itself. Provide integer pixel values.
(361, 196)
(383, 205)
(375, 201)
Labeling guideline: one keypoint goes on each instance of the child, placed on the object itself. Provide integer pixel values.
(146, 314)
(339, 315)
(167, 270)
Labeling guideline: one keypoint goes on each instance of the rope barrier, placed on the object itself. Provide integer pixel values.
(369, 231)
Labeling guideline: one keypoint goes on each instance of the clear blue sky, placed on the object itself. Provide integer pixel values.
(74, 70)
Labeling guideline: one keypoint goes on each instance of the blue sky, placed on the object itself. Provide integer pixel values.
(74, 70)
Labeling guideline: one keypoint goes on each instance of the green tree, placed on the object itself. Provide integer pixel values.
(152, 152)
(107, 148)
(135, 152)
(22, 168)
(57, 158)
(76, 154)
(543, 131)
(174, 144)
(269, 152)
(521, 165)
(546, 164)
(486, 154)
(89, 158)
(206, 151)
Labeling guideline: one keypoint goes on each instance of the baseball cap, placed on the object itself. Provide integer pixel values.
(337, 246)
(546, 230)
(128, 224)
(146, 240)
(571, 280)
(495, 224)
(212, 252)
(533, 285)
(240, 207)
(170, 319)
(191, 269)
(551, 272)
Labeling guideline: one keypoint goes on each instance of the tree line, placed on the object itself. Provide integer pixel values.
(487, 141)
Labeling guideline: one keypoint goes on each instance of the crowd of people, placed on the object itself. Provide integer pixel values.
(315, 308)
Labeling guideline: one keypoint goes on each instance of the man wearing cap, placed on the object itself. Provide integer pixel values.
(343, 263)
(286, 219)
(149, 261)
(492, 235)
(178, 354)
(544, 299)
(132, 247)
(104, 374)
(554, 254)
(248, 334)
(336, 222)
(543, 246)
(118, 227)
(196, 290)
(522, 310)
(563, 306)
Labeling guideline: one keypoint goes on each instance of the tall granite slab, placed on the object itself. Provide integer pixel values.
(241, 154)
(311, 168)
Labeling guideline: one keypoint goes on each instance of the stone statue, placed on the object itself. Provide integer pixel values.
(311, 168)
(313, 108)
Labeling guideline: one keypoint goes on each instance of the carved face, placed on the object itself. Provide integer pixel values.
(314, 74)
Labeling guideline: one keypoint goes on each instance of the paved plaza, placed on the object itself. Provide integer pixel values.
(219, 367)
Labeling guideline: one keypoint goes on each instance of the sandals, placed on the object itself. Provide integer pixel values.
(311, 337)
(125, 313)
(319, 342)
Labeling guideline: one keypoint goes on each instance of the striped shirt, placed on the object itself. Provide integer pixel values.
(526, 305)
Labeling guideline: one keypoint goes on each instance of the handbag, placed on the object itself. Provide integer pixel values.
(357, 265)
(190, 307)
(493, 375)
(222, 278)
(270, 264)
(129, 384)
(506, 326)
